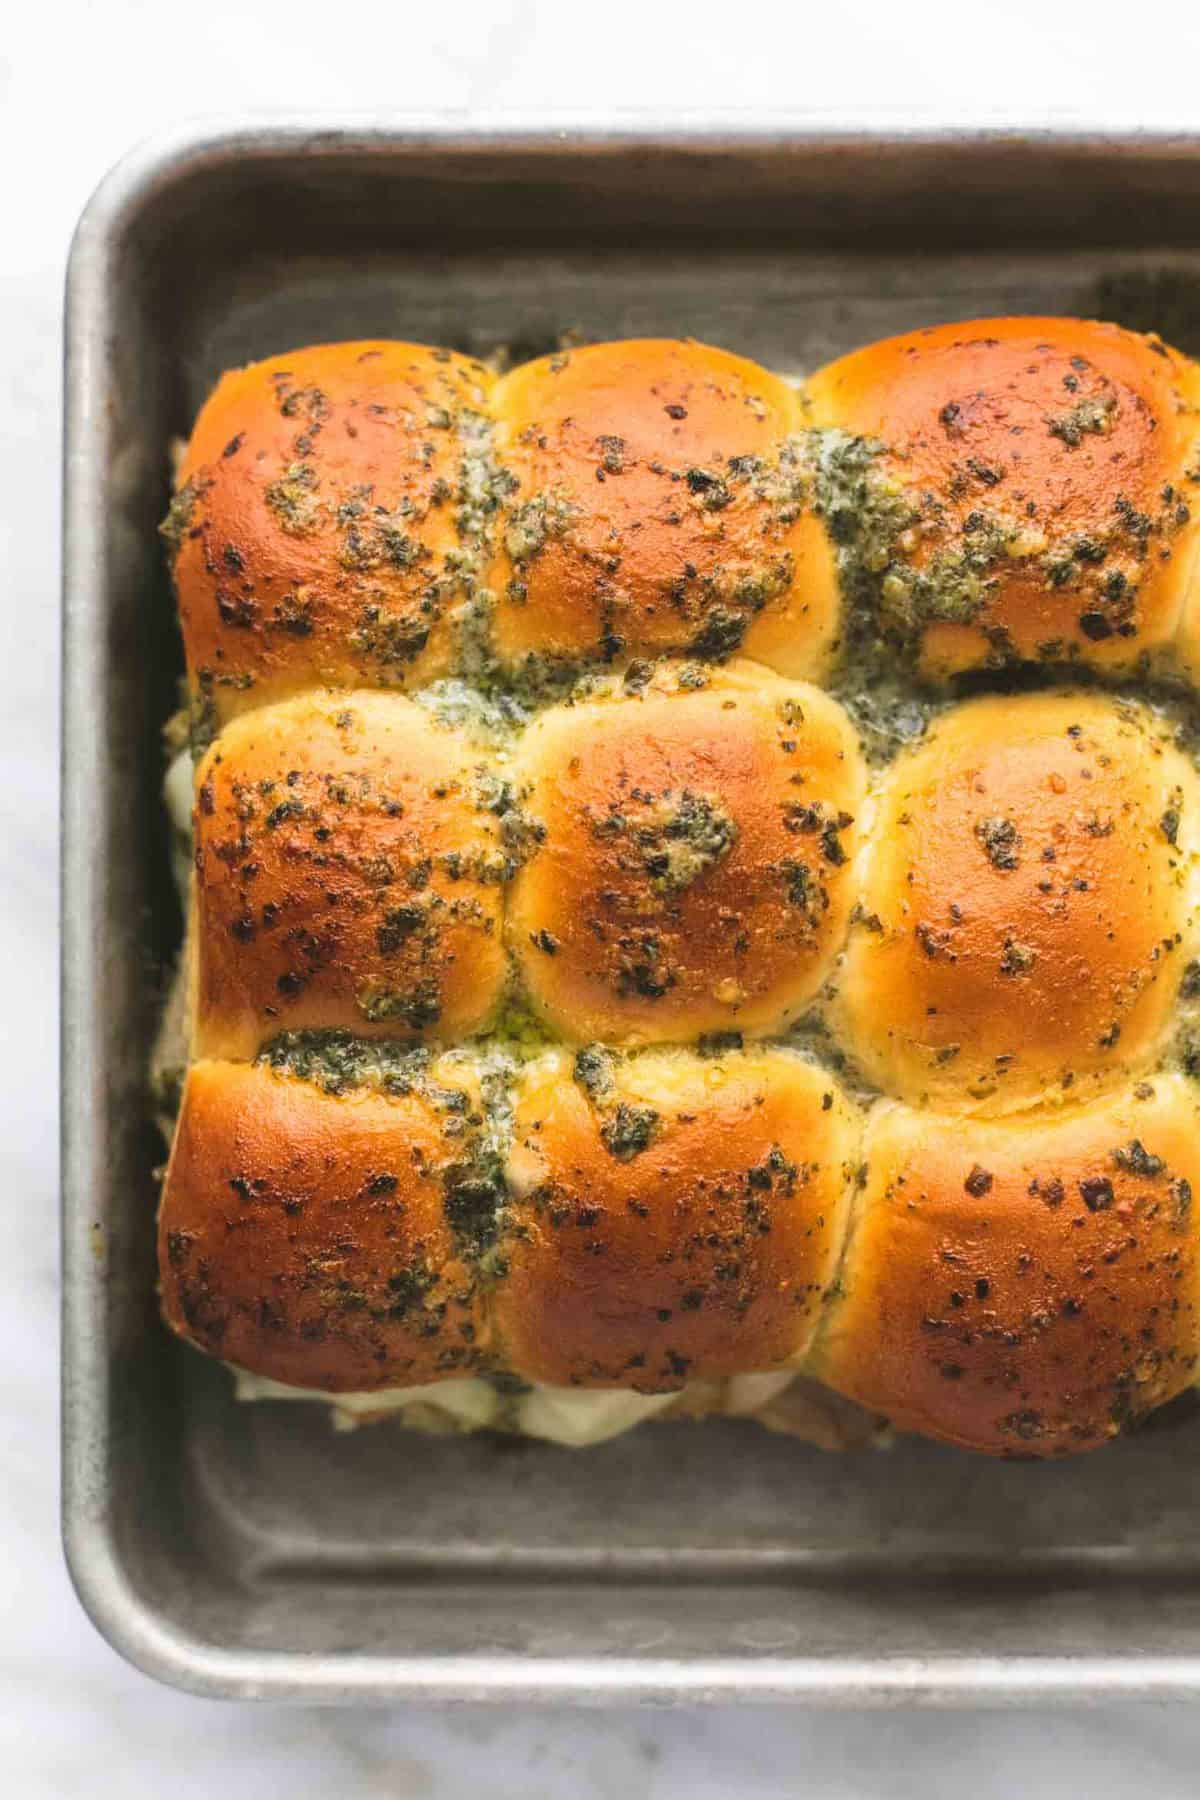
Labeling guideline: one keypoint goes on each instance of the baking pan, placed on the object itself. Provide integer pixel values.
(249, 1550)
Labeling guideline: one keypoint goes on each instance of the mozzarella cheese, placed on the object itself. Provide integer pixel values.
(576, 1417)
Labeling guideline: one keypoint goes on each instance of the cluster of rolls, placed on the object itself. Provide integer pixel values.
(575, 992)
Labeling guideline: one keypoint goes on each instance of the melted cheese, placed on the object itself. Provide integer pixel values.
(576, 1417)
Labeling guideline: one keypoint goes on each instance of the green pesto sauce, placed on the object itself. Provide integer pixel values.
(292, 497)
(180, 516)
(676, 837)
(336, 1061)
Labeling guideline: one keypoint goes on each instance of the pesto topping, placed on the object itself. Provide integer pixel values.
(1001, 842)
(865, 511)
(473, 1195)
(417, 1006)
(483, 484)
(1096, 1192)
(1088, 417)
(1135, 1159)
(532, 525)
(786, 482)
(720, 635)
(675, 837)
(180, 516)
(202, 708)
(594, 1071)
(457, 706)
(879, 532)
(520, 832)
(392, 639)
(373, 537)
(292, 497)
(628, 1130)
(337, 1062)
(625, 1128)
(882, 537)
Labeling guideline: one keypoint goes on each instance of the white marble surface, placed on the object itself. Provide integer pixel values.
(78, 83)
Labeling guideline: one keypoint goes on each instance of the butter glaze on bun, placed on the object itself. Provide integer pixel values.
(347, 874)
(1034, 493)
(572, 1028)
(692, 867)
(310, 1235)
(318, 530)
(675, 1218)
(663, 508)
(1025, 1287)
(1026, 906)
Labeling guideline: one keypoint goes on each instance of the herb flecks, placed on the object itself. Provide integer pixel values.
(391, 639)
(417, 1006)
(628, 1130)
(292, 497)
(337, 1062)
(1001, 842)
(595, 1073)
(1092, 416)
(676, 837)
(535, 523)
(181, 516)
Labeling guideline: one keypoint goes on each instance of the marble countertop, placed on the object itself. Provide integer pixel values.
(78, 85)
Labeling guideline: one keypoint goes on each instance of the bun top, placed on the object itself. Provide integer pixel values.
(662, 506)
(1027, 904)
(691, 855)
(324, 1234)
(1033, 489)
(319, 524)
(1025, 1287)
(672, 1219)
(348, 875)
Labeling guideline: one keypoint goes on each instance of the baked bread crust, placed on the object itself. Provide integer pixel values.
(662, 508)
(1027, 905)
(1039, 478)
(569, 1000)
(673, 1218)
(1024, 1287)
(319, 527)
(347, 875)
(311, 1236)
(691, 870)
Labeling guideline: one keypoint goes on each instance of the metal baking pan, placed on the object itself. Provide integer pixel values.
(247, 1550)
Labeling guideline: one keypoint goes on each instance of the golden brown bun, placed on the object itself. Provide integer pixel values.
(1002, 931)
(675, 1218)
(318, 525)
(1039, 479)
(347, 874)
(326, 1240)
(693, 863)
(1027, 904)
(1026, 1287)
(660, 509)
